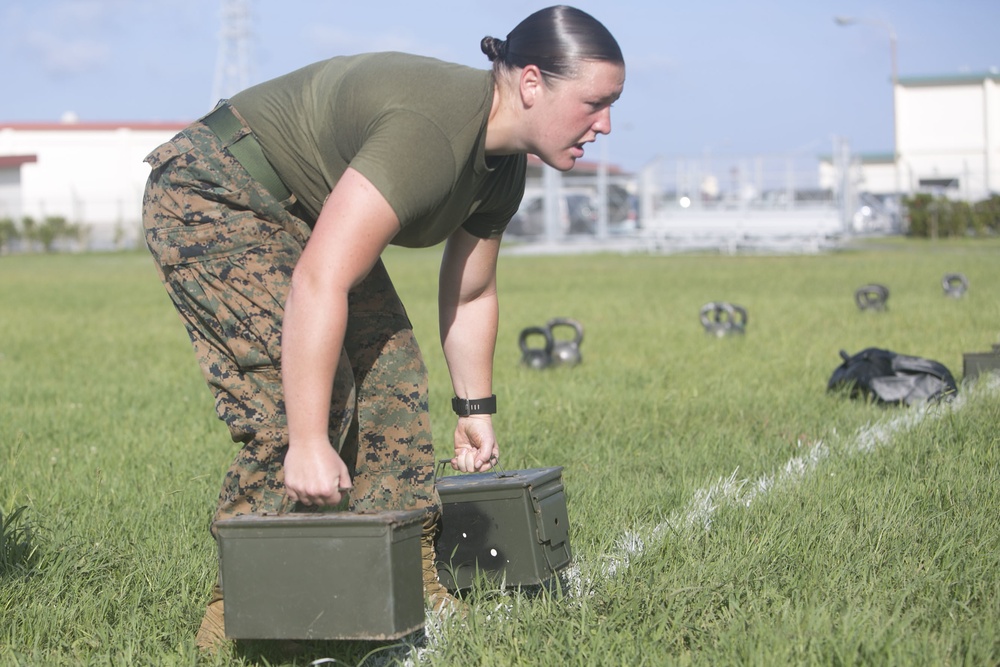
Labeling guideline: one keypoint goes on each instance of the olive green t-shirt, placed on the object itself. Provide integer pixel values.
(413, 126)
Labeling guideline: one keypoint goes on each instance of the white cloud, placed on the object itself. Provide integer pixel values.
(60, 56)
(82, 12)
(66, 38)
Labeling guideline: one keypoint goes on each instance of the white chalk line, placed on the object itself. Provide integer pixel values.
(696, 516)
(699, 511)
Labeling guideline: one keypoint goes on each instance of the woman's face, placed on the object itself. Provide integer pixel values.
(572, 112)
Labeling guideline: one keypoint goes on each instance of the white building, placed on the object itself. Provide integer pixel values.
(947, 138)
(949, 134)
(92, 174)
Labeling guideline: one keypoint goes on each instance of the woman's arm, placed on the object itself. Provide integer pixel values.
(468, 316)
(353, 228)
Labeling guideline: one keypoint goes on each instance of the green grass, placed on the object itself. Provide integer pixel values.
(111, 459)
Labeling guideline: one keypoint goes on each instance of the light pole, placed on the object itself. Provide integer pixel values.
(850, 20)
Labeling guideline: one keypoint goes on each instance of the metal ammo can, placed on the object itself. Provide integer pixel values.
(337, 575)
(975, 363)
(512, 526)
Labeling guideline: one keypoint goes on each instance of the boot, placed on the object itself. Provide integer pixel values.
(212, 633)
(437, 597)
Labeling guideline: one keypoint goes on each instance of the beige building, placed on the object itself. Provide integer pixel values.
(948, 141)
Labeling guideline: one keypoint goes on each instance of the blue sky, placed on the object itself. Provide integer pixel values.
(703, 76)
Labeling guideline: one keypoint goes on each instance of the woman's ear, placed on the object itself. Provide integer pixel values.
(530, 83)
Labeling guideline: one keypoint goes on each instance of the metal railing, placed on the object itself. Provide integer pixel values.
(728, 201)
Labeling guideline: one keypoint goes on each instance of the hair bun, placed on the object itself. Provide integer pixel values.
(495, 49)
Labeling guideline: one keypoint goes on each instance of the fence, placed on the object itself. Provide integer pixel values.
(94, 222)
(716, 201)
(727, 202)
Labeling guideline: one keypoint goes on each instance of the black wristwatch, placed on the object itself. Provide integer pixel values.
(464, 407)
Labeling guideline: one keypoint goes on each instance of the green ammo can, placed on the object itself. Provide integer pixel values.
(512, 526)
(337, 575)
(975, 363)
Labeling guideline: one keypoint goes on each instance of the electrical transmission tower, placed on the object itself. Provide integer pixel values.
(232, 63)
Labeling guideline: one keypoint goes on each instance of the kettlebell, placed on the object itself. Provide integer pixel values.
(716, 317)
(536, 357)
(721, 318)
(955, 285)
(872, 297)
(566, 352)
(738, 321)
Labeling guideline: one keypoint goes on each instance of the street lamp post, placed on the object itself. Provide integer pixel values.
(850, 20)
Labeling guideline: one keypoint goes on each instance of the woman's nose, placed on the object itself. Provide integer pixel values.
(603, 123)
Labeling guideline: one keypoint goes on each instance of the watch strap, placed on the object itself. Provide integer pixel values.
(464, 407)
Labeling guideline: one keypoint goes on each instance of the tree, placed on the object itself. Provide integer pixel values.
(53, 228)
(8, 233)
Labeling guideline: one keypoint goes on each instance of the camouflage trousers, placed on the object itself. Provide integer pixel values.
(225, 249)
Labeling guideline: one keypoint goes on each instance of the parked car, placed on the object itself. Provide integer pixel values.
(578, 213)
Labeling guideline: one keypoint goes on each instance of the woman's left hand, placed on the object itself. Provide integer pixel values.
(475, 444)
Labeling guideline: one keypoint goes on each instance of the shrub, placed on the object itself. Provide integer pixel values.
(35, 234)
(986, 215)
(931, 217)
(8, 233)
(56, 227)
(918, 210)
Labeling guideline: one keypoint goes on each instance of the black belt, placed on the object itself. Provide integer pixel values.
(246, 149)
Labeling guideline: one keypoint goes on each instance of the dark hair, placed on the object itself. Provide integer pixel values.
(554, 39)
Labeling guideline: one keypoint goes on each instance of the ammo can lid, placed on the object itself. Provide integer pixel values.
(314, 520)
(511, 479)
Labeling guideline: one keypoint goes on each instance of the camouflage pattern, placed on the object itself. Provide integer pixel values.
(225, 250)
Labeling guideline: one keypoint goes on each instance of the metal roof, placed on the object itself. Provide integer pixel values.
(948, 79)
(14, 161)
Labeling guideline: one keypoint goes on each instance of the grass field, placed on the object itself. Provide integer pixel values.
(725, 508)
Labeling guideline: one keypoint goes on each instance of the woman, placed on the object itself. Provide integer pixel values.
(267, 219)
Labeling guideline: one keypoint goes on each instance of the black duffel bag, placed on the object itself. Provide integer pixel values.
(887, 377)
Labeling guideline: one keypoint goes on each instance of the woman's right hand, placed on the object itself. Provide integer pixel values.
(315, 474)
(354, 227)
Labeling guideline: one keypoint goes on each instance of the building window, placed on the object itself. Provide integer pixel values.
(938, 183)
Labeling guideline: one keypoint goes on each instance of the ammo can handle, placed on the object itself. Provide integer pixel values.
(493, 459)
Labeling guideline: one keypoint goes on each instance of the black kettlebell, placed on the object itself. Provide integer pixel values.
(872, 297)
(719, 318)
(536, 357)
(566, 352)
(955, 285)
(738, 323)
